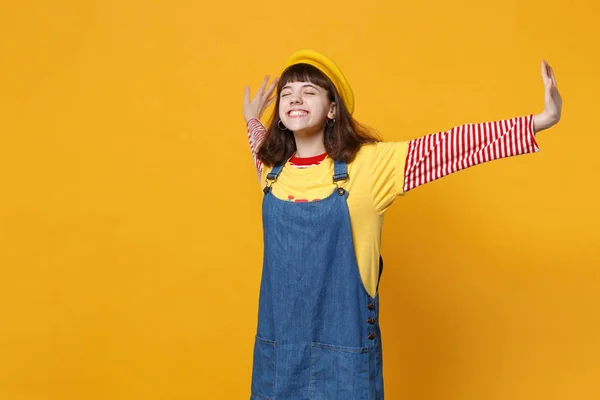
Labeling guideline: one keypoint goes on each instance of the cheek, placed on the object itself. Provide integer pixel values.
(322, 106)
(321, 111)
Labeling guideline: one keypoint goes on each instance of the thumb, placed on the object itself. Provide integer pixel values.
(246, 94)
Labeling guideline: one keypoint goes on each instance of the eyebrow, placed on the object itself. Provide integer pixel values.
(305, 85)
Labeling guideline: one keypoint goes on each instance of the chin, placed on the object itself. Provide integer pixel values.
(304, 130)
(299, 126)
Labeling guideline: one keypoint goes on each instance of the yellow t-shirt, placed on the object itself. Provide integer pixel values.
(376, 178)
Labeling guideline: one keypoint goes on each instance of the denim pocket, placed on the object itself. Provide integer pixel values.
(338, 372)
(263, 368)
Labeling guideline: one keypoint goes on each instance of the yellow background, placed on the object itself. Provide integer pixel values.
(130, 228)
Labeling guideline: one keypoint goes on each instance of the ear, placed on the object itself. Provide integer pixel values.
(331, 113)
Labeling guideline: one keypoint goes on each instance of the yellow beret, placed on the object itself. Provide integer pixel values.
(329, 68)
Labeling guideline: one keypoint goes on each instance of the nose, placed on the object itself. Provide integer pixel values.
(295, 99)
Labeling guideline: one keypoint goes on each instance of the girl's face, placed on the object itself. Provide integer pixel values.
(305, 107)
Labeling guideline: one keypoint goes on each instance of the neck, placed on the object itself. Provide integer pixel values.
(309, 145)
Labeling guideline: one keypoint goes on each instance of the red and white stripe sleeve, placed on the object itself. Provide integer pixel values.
(256, 135)
(434, 156)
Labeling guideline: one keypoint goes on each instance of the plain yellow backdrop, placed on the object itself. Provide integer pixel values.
(130, 227)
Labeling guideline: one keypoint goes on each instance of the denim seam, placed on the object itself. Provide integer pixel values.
(310, 379)
(341, 349)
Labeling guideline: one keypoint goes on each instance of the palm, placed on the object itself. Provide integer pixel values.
(552, 99)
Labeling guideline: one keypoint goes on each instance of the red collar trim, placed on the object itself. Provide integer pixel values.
(307, 160)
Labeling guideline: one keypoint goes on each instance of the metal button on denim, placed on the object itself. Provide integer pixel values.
(371, 306)
(371, 320)
(371, 336)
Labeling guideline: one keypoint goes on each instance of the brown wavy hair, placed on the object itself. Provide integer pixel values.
(342, 141)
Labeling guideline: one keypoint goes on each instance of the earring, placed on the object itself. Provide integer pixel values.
(330, 122)
(279, 126)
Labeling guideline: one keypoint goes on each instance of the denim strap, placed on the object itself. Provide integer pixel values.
(274, 174)
(340, 171)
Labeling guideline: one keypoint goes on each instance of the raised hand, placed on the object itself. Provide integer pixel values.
(256, 107)
(552, 100)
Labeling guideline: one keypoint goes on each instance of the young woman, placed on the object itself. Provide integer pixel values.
(327, 182)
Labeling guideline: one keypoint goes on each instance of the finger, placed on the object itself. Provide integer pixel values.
(543, 71)
(548, 78)
(270, 101)
(552, 75)
(246, 94)
(271, 87)
(264, 83)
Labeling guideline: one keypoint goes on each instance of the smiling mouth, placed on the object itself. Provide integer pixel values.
(297, 114)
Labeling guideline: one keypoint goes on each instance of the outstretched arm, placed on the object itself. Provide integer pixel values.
(437, 155)
(434, 156)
